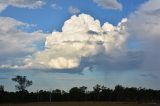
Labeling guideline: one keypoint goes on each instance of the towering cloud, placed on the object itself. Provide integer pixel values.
(81, 37)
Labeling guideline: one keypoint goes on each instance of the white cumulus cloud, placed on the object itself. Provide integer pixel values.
(81, 37)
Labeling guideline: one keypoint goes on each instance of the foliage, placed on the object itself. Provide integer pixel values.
(99, 93)
(22, 82)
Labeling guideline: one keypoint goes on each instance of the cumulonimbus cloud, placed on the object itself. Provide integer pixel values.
(81, 37)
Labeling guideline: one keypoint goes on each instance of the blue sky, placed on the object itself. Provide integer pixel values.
(130, 58)
(48, 19)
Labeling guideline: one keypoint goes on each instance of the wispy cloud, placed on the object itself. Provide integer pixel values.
(75, 79)
(73, 10)
(56, 7)
(32, 4)
(109, 4)
(150, 75)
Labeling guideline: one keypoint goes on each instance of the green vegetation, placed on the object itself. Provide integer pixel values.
(99, 93)
(22, 82)
(81, 104)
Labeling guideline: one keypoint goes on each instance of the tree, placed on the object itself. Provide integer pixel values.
(1, 93)
(23, 82)
(105, 93)
(74, 93)
(96, 91)
(97, 88)
(1, 88)
(83, 89)
(119, 92)
(78, 93)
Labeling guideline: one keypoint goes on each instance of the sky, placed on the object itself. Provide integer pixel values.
(67, 43)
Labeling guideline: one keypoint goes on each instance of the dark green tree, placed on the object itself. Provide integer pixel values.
(97, 88)
(1, 88)
(83, 89)
(96, 91)
(1, 93)
(119, 92)
(22, 81)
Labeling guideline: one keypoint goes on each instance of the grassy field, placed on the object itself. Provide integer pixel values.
(80, 104)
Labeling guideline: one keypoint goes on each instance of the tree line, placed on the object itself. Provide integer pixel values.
(99, 93)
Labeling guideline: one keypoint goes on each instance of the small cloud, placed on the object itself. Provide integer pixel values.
(56, 7)
(71, 79)
(73, 10)
(109, 4)
(3, 78)
(149, 75)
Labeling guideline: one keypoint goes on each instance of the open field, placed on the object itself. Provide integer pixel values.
(80, 104)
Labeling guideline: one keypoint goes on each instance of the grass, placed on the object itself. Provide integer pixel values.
(80, 104)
